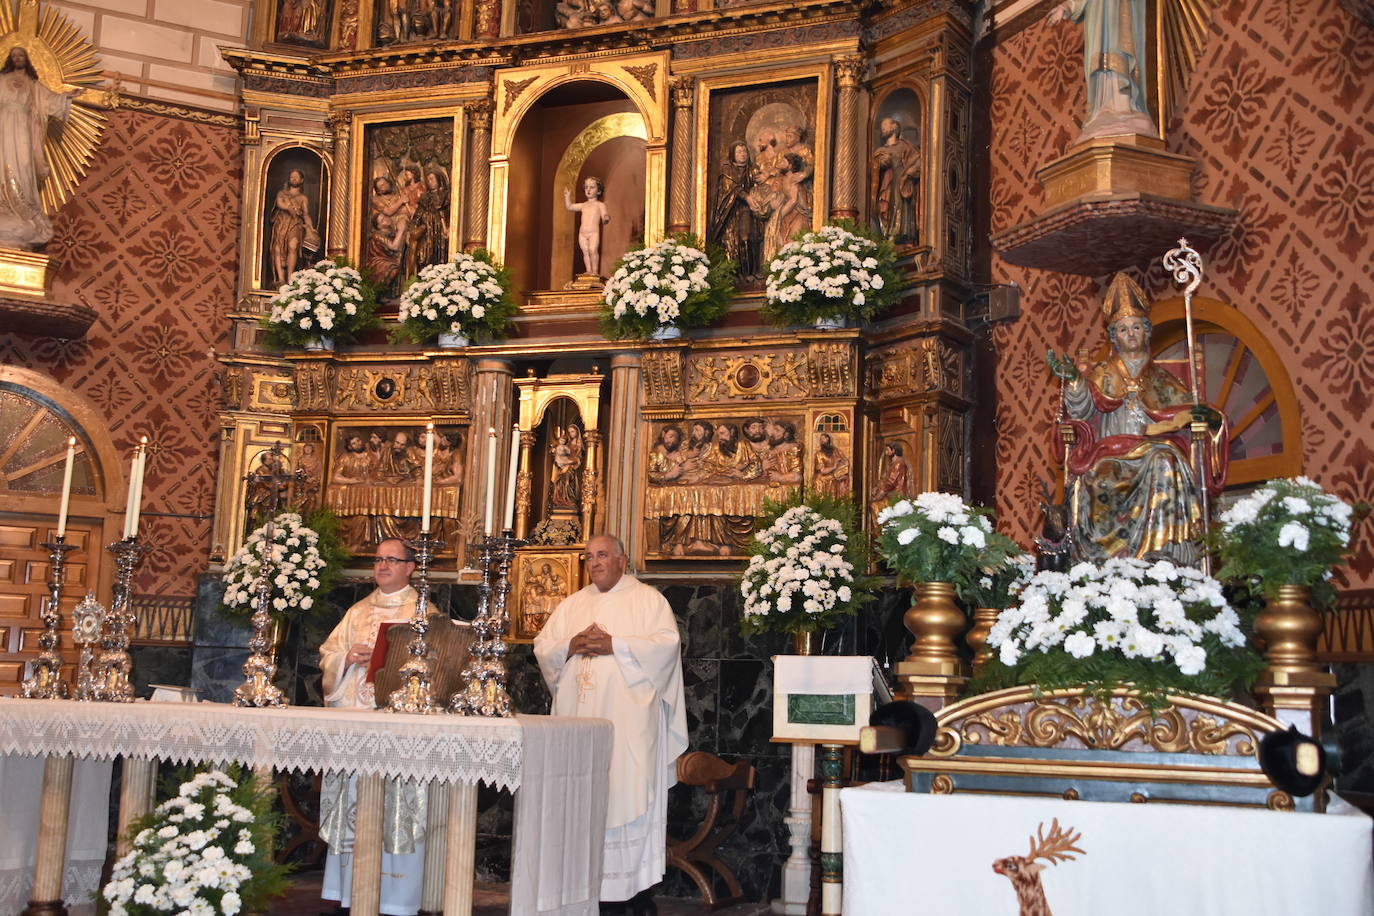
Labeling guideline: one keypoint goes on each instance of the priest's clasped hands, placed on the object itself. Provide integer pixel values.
(591, 641)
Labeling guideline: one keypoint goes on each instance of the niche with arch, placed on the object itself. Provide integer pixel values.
(575, 131)
(294, 215)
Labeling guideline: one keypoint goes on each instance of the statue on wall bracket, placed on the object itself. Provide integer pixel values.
(48, 75)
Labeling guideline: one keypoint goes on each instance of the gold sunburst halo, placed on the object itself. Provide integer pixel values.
(65, 61)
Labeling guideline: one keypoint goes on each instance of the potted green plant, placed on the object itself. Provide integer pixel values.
(658, 290)
(830, 277)
(319, 306)
(466, 298)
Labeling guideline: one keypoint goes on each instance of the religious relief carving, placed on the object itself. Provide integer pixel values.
(706, 486)
(893, 479)
(408, 199)
(404, 21)
(271, 393)
(581, 14)
(376, 482)
(713, 379)
(303, 22)
(439, 387)
(542, 579)
(831, 457)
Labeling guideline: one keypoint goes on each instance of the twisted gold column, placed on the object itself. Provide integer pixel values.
(680, 180)
(341, 123)
(848, 167)
(479, 155)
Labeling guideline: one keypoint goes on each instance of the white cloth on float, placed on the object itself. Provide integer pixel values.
(912, 851)
(639, 688)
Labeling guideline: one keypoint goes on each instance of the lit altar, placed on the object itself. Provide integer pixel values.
(556, 862)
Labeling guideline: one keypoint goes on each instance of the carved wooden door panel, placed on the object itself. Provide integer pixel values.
(24, 590)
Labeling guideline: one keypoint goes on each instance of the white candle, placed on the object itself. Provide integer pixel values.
(510, 479)
(140, 465)
(491, 475)
(129, 499)
(429, 476)
(66, 487)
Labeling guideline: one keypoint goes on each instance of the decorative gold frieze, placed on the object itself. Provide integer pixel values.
(830, 369)
(440, 386)
(312, 386)
(662, 372)
(645, 76)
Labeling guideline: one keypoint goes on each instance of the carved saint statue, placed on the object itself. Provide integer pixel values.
(894, 479)
(1114, 57)
(565, 481)
(733, 225)
(592, 215)
(293, 228)
(895, 175)
(26, 106)
(426, 239)
(1131, 488)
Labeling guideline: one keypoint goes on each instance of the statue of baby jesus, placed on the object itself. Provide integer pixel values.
(594, 216)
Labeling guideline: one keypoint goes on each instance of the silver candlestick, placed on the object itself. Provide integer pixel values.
(416, 693)
(485, 691)
(112, 679)
(260, 669)
(45, 677)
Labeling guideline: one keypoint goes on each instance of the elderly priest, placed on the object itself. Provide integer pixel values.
(612, 651)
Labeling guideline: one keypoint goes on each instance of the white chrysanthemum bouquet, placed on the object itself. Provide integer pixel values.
(1287, 532)
(204, 852)
(468, 295)
(672, 284)
(805, 566)
(1156, 626)
(300, 570)
(937, 537)
(835, 272)
(328, 300)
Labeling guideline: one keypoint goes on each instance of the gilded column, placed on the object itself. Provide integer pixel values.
(492, 409)
(848, 166)
(623, 516)
(680, 180)
(341, 123)
(479, 174)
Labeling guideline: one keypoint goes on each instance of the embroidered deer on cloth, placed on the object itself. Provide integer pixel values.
(1024, 871)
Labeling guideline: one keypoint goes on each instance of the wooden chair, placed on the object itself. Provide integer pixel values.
(727, 788)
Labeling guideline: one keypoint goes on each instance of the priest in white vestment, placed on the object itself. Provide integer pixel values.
(344, 658)
(612, 651)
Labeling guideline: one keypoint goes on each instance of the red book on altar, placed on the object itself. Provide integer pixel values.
(379, 648)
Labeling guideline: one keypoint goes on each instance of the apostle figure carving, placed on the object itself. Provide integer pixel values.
(426, 239)
(1131, 486)
(293, 228)
(830, 469)
(895, 175)
(26, 106)
(592, 215)
(894, 479)
(1114, 49)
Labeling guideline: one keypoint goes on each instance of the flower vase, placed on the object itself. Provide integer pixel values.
(977, 638)
(450, 341)
(832, 323)
(806, 642)
(666, 332)
(935, 620)
(322, 342)
(1289, 626)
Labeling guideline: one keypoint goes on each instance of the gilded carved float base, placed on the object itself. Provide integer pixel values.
(26, 304)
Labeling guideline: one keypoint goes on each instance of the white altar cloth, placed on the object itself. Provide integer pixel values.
(451, 749)
(910, 853)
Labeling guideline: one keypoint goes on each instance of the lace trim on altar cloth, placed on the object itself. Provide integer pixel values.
(80, 881)
(314, 739)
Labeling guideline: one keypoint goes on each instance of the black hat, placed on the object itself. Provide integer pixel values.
(915, 721)
(1294, 762)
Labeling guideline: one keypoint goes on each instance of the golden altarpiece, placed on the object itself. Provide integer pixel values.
(492, 113)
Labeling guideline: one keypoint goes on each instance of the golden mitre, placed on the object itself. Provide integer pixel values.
(1124, 299)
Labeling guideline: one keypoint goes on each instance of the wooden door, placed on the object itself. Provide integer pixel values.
(24, 590)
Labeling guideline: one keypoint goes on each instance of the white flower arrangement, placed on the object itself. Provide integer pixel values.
(1287, 532)
(835, 271)
(1155, 625)
(328, 299)
(673, 283)
(468, 295)
(803, 571)
(298, 568)
(937, 537)
(206, 851)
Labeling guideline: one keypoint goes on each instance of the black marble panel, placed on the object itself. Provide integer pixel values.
(1354, 726)
(745, 711)
(159, 665)
(210, 625)
(701, 685)
(217, 671)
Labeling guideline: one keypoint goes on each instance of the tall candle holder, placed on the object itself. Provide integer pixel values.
(45, 677)
(485, 691)
(416, 693)
(112, 678)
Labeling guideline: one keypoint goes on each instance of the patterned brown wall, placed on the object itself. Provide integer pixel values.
(1280, 117)
(150, 242)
